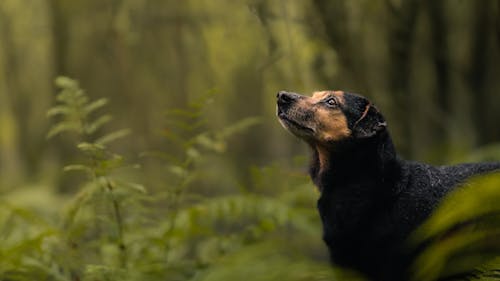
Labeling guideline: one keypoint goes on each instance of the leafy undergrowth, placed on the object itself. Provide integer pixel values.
(113, 228)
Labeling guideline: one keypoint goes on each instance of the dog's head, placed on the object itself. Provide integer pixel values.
(329, 116)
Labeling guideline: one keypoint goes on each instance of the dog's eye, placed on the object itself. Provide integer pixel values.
(331, 102)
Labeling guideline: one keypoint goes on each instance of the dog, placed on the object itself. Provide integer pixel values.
(371, 200)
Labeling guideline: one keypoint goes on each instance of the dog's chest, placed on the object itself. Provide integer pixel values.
(352, 219)
(344, 214)
(341, 214)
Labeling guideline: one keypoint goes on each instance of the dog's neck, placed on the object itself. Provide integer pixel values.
(354, 161)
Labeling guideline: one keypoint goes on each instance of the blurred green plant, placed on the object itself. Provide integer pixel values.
(101, 211)
(114, 230)
(462, 237)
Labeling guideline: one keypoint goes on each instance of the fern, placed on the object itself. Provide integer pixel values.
(97, 213)
(113, 230)
(190, 141)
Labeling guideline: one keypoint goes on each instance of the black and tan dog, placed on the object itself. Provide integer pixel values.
(371, 200)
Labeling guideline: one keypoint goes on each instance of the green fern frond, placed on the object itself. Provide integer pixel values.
(68, 126)
(97, 216)
(74, 109)
(59, 110)
(238, 127)
(91, 107)
(97, 124)
(112, 136)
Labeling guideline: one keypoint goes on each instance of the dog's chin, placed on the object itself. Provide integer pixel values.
(296, 128)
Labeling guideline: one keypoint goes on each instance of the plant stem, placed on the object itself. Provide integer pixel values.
(119, 224)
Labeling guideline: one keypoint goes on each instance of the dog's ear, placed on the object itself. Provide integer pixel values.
(370, 123)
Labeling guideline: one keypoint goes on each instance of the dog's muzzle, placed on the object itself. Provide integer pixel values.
(285, 100)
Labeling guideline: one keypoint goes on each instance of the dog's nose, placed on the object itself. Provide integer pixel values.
(286, 97)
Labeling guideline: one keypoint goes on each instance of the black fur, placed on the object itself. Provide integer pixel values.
(371, 200)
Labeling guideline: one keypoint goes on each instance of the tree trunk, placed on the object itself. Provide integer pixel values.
(401, 39)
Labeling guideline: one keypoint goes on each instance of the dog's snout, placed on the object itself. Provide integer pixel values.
(286, 97)
(282, 96)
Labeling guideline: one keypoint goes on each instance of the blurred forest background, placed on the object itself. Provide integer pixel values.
(432, 67)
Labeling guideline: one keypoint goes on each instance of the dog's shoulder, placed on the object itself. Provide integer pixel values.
(426, 185)
(428, 178)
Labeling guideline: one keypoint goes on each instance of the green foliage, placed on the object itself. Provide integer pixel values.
(95, 222)
(113, 229)
(23, 250)
(190, 139)
(463, 234)
(75, 108)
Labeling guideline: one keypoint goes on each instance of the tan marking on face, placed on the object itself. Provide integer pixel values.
(332, 125)
(320, 95)
(340, 96)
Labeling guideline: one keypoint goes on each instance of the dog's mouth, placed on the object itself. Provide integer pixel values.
(293, 125)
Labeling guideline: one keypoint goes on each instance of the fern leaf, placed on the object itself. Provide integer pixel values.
(113, 136)
(177, 170)
(58, 110)
(132, 186)
(80, 99)
(95, 105)
(106, 165)
(85, 146)
(64, 127)
(83, 168)
(210, 143)
(66, 82)
(193, 154)
(239, 126)
(98, 123)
